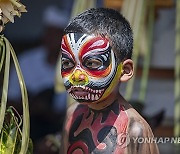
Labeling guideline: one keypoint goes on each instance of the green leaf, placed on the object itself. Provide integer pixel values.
(6, 48)
(13, 140)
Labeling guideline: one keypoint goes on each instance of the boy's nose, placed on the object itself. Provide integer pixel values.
(79, 78)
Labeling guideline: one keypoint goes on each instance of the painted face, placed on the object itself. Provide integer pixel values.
(89, 67)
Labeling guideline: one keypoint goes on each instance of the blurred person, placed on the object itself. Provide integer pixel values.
(38, 65)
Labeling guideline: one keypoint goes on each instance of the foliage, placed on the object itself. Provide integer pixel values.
(14, 139)
(10, 140)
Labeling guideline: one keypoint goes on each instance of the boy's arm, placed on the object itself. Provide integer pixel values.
(65, 132)
(141, 138)
(64, 140)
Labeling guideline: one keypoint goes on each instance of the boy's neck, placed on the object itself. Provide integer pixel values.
(104, 103)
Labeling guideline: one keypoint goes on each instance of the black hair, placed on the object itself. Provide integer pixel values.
(107, 23)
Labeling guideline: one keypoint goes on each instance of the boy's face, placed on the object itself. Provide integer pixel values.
(89, 67)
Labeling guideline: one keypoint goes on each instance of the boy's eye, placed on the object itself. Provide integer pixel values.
(67, 63)
(93, 63)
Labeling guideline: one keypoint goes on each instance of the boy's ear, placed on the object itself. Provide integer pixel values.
(127, 70)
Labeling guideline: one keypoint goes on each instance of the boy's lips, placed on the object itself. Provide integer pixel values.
(79, 91)
(85, 93)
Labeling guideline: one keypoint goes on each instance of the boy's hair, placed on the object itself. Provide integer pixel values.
(107, 23)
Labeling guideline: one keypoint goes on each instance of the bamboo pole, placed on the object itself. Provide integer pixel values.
(137, 26)
(147, 57)
(125, 7)
(131, 10)
(177, 73)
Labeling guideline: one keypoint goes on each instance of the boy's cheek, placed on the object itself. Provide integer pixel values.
(106, 92)
(115, 82)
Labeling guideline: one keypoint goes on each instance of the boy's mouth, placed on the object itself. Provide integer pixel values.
(79, 91)
(82, 93)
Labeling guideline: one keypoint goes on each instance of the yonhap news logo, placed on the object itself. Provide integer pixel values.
(123, 140)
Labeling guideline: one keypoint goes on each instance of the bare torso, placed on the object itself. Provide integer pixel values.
(108, 131)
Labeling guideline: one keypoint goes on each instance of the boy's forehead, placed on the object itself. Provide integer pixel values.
(84, 42)
(75, 37)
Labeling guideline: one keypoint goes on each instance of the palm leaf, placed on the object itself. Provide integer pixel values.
(5, 82)
(14, 139)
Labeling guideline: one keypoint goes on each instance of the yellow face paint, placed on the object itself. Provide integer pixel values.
(78, 77)
(113, 84)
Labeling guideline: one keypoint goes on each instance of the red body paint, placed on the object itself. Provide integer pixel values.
(119, 121)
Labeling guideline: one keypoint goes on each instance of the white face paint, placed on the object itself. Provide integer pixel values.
(88, 66)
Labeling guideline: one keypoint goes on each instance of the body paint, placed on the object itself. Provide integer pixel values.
(94, 131)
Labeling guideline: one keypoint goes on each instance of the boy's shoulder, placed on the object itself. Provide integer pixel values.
(137, 124)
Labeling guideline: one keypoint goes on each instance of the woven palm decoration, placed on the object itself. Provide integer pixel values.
(14, 129)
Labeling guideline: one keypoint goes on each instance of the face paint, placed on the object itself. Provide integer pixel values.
(89, 67)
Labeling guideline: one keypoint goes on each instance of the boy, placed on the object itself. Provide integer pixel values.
(96, 58)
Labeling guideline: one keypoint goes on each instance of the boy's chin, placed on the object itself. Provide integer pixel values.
(87, 102)
(90, 101)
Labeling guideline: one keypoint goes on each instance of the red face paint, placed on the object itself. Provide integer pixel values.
(88, 66)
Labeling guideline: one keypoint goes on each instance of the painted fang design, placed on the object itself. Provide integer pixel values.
(91, 95)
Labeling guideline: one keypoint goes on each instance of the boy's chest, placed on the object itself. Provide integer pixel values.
(97, 132)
